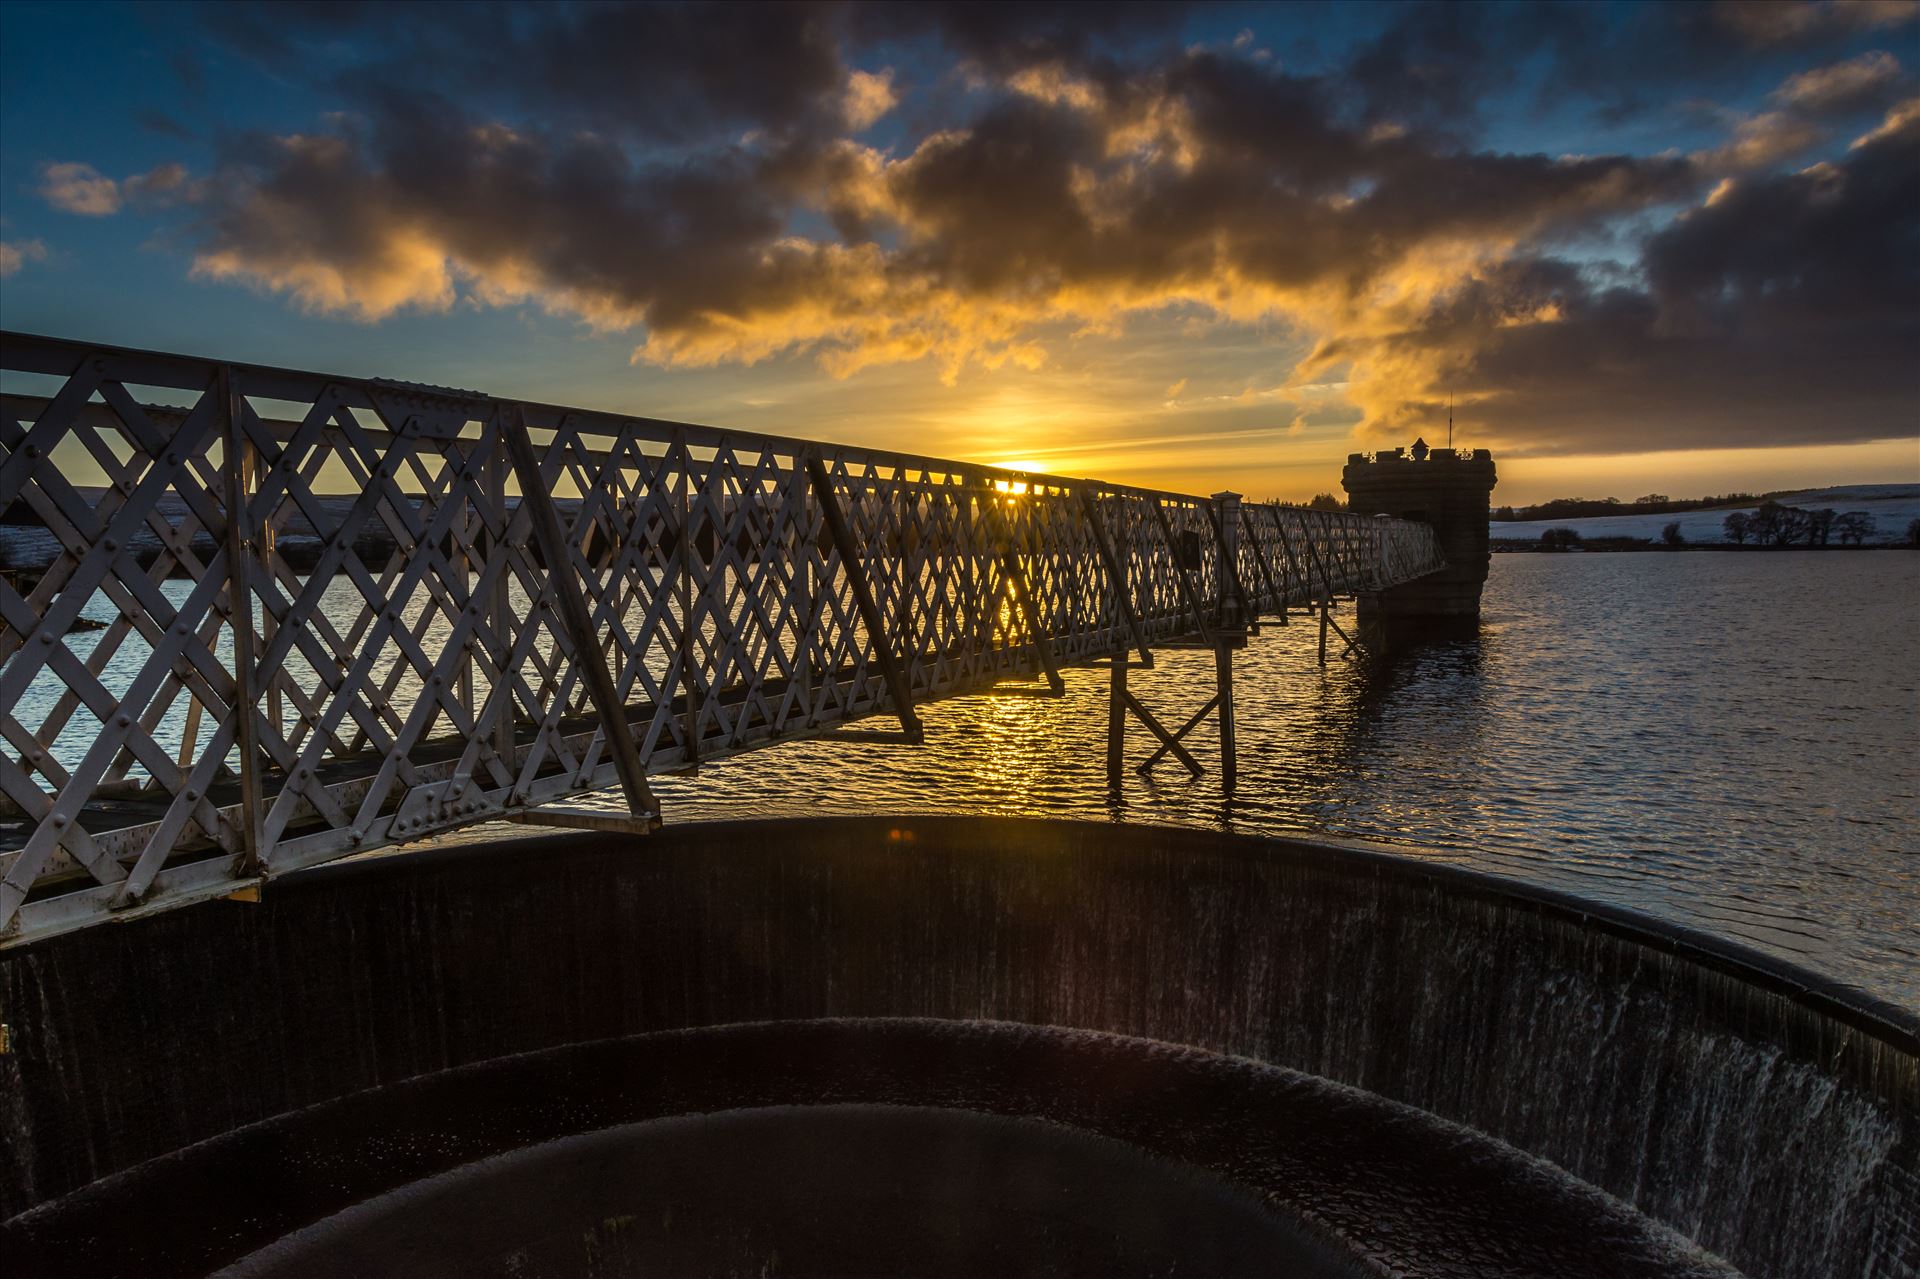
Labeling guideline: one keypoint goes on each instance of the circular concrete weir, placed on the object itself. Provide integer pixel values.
(943, 1046)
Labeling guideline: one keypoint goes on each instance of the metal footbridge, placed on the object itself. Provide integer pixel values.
(253, 619)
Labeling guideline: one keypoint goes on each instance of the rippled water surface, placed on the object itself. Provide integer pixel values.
(1724, 740)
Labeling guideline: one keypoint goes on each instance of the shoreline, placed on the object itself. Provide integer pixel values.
(1635, 546)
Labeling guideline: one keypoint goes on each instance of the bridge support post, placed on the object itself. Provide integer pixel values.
(1223, 699)
(1238, 615)
(242, 551)
(869, 610)
(558, 554)
(1117, 722)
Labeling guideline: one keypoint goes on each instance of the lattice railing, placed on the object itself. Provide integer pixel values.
(405, 661)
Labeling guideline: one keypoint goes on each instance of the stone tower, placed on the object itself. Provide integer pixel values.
(1452, 492)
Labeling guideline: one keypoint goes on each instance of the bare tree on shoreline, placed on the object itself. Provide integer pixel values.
(1853, 528)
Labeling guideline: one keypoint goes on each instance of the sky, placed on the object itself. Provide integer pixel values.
(1665, 248)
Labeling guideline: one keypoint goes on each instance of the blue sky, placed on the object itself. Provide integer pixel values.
(1200, 246)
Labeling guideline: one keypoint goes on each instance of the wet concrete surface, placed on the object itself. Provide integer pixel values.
(811, 1190)
(1127, 1157)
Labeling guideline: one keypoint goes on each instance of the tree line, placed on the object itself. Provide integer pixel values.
(1772, 524)
(1575, 508)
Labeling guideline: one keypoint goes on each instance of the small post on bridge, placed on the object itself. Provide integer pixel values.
(1227, 507)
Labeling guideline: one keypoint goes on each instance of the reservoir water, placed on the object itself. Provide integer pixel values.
(1725, 740)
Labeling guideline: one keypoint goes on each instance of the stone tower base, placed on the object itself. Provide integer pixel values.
(1450, 491)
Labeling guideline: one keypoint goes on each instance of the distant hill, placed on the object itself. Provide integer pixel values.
(1892, 506)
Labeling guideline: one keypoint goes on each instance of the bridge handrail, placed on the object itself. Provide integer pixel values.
(412, 664)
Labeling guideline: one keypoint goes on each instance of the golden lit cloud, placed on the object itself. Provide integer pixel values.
(1858, 81)
(869, 96)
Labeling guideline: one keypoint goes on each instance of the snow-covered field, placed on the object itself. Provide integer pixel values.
(1892, 506)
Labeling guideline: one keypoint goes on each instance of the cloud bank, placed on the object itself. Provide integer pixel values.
(962, 184)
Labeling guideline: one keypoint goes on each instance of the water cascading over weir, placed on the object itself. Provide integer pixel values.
(883, 1045)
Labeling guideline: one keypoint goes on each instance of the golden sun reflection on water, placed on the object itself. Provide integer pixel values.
(1009, 731)
(1614, 733)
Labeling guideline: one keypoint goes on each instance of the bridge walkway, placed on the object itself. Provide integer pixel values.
(460, 608)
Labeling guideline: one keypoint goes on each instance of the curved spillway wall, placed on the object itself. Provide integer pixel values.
(1775, 1122)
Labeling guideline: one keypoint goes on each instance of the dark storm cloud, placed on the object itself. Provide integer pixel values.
(375, 220)
(1786, 311)
(1432, 64)
(676, 72)
(1007, 37)
(1266, 195)
(1637, 59)
(1766, 23)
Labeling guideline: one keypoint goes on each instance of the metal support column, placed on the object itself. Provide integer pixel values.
(240, 553)
(1223, 684)
(684, 554)
(500, 602)
(552, 541)
(1233, 603)
(863, 597)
